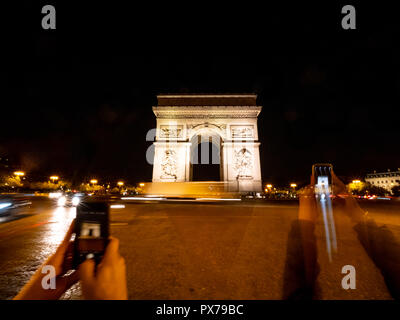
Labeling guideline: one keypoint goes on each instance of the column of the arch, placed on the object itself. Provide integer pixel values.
(254, 184)
(257, 183)
(230, 186)
(187, 160)
(181, 156)
(226, 161)
(159, 148)
(227, 166)
(244, 185)
(221, 161)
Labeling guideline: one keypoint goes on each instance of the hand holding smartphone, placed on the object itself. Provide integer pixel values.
(91, 231)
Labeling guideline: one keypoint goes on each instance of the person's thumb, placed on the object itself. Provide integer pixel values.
(87, 270)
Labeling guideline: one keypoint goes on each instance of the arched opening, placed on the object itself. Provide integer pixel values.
(205, 157)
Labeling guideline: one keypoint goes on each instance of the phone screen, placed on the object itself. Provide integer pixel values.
(323, 178)
(91, 231)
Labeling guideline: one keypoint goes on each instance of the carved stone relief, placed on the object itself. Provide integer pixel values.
(242, 131)
(171, 131)
(168, 165)
(243, 163)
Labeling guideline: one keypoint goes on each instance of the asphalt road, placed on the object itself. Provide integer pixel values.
(199, 250)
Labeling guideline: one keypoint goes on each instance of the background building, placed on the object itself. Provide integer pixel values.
(386, 180)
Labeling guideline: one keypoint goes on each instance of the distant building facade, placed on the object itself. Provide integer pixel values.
(386, 180)
(4, 164)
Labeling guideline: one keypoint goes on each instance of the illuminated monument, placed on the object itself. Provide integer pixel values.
(228, 122)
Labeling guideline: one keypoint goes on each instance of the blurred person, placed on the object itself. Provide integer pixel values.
(106, 281)
(302, 268)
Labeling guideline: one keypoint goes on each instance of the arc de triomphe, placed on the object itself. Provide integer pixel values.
(231, 120)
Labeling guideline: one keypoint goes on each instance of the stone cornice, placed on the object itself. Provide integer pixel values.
(179, 112)
(182, 96)
(237, 143)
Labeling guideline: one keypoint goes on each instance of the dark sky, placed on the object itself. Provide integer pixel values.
(77, 101)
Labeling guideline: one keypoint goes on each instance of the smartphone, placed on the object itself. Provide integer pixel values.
(323, 179)
(91, 231)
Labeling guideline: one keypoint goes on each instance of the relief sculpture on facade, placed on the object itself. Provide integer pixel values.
(171, 131)
(242, 131)
(168, 165)
(243, 163)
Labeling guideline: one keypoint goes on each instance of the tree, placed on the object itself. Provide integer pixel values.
(86, 187)
(48, 185)
(361, 188)
(357, 188)
(396, 191)
(378, 191)
(11, 181)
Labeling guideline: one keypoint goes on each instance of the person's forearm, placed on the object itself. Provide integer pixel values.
(33, 289)
(384, 250)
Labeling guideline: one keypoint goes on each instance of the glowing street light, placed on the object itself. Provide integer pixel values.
(356, 181)
(93, 181)
(19, 173)
(141, 184)
(269, 186)
(293, 185)
(120, 183)
(54, 178)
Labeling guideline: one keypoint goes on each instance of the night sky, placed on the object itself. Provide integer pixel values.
(77, 101)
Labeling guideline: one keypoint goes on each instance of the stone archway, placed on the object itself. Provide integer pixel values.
(231, 118)
(206, 156)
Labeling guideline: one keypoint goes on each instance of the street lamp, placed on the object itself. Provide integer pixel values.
(19, 173)
(356, 181)
(120, 183)
(54, 178)
(93, 181)
(293, 185)
(269, 186)
(141, 184)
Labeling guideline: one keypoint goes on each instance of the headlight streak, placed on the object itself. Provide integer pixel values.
(75, 201)
(55, 195)
(178, 200)
(5, 205)
(325, 202)
(142, 198)
(61, 201)
(117, 206)
(218, 199)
